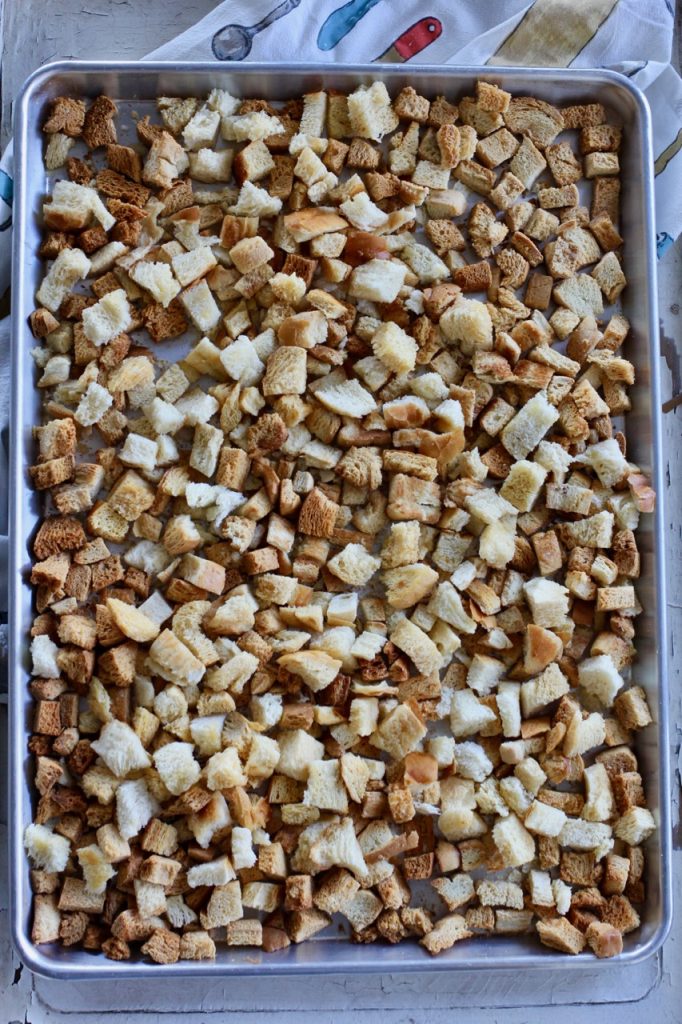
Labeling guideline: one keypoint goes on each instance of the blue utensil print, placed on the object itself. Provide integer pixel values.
(342, 21)
(234, 42)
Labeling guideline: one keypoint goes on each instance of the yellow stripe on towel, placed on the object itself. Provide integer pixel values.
(552, 33)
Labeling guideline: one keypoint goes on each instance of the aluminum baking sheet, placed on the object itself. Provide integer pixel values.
(135, 86)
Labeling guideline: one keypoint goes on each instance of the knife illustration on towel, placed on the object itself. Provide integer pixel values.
(342, 21)
(411, 42)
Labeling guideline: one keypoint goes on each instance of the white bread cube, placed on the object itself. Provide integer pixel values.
(363, 213)
(514, 841)
(367, 645)
(377, 280)
(157, 279)
(44, 657)
(190, 266)
(583, 734)
(337, 846)
(515, 795)
(417, 645)
(635, 826)
(216, 872)
(544, 819)
(241, 361)
(201, 306)
(499, 894)
(325, 789)
(206, 733)
(459, 823)
(201, 129)
(523, 484)
(107, 318)
(297, 751)
(177, 767)
(208, 441)
(540, 887)
(120, 749)
(396, 349)
(180, 915)
(594, 532)
(548, 602)
(509, 708)
(472, 761)
(531, 774)
(364, 715)
(212, 817)
(489, 799)
(263, 758)
(370, 112)
(484, 673)
(422, 261)
(47, 850)
(488, 506)
(468, 323)
(599, 677)
(224, 770)
(197, 407)
(211, 165)
(139, 451)
(607, 461)
(95, 867)
(354, 565)
(135, 806)
(164, 417)
(525, 431)
(243, 854)
(555, 459)
(93, 404)
(73, 206)
(266, 709)
(173, 661)
(105, 258)
(446, 604)
(468, 715)
(70, 266)
(584, 835)
(317, 669)
(253, 201)
(309, 168)
(600, 804)
(496, 545)
(347, 398)
(249, 127)
(537, 693)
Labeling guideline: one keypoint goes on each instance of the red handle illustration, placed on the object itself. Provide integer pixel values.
(413, 41)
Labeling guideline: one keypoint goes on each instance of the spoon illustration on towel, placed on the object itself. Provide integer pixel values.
(234, 42)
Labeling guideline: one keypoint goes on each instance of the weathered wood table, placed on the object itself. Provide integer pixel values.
(34, 32)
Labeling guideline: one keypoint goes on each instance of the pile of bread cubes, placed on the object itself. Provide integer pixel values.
(335, 610)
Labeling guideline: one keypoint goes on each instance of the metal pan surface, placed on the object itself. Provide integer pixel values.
(136, 85)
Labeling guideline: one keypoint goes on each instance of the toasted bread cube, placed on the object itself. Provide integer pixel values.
(395, 348)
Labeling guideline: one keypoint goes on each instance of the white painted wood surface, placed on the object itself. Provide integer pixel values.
(34, 32)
